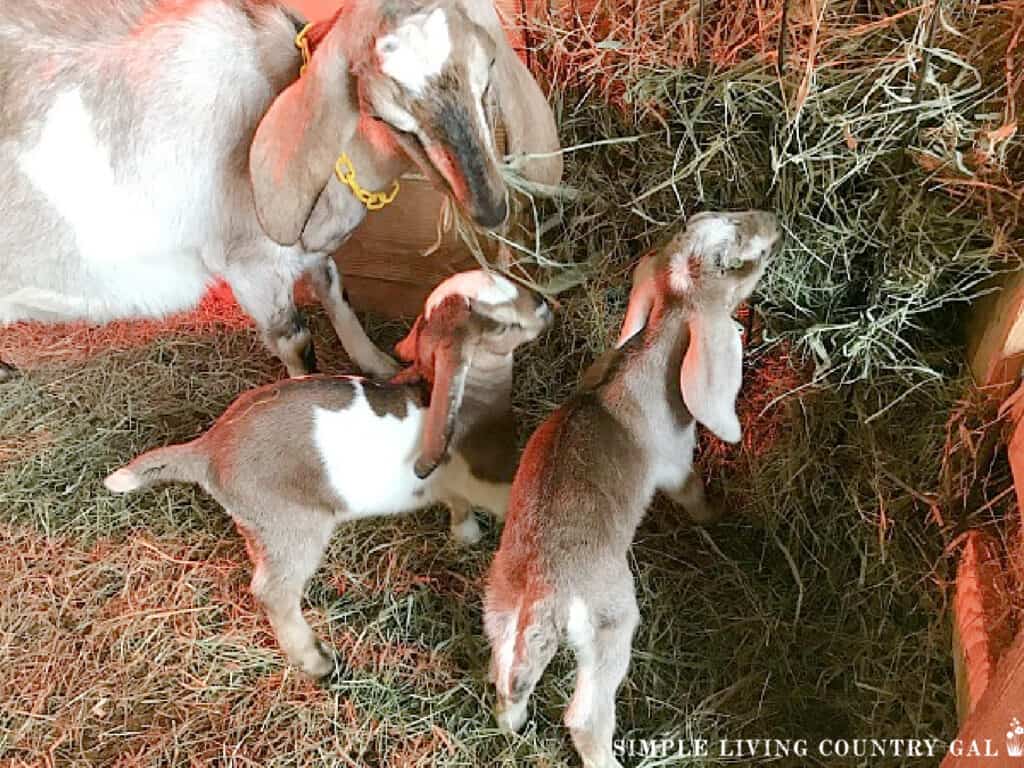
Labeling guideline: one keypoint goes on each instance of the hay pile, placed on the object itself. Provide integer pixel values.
(817, 609)
(886, 139)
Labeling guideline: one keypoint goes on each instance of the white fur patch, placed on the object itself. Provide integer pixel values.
(753, 249)
(505, 652)
(122, 481)
(475, 285)
(369, 459)
(73, 170)
(679, 272)
(710, 229)
(129, 263)
(704, 232)
(580, 633)
(417, 50)
(479, 76)
(578, 629)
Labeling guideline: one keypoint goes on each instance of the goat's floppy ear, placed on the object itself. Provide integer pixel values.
(641, 300)
(450, 368)
(444, 354)
(297, 142)
(712, 372)
(529, 121)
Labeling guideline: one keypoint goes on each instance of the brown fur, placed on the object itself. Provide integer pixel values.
(261, 460)
(590, 470)
(271, 149)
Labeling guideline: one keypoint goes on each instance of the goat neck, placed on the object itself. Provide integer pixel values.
(641, 386)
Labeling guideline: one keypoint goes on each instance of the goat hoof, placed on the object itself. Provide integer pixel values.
(467, 532)
(7, 372)
(320, 663)
(511, 719)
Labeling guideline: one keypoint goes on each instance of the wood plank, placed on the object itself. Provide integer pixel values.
(995, 720)
(981, 620)
(391, 246)
(995, 345)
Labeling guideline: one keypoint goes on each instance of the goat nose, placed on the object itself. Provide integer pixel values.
(492, 217)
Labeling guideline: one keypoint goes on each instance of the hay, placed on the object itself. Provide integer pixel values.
(882, 174)
(817, 609)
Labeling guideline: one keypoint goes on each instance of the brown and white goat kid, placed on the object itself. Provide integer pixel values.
(291, 461)
(590, 470)
(148, 147)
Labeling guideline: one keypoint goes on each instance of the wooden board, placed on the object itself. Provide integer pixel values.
(995, 345)
(981, 622)
(1000, 709)
(384, 264)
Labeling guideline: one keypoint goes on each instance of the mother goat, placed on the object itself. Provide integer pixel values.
(148, 147)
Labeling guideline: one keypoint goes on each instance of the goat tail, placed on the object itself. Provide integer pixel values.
(177, 463)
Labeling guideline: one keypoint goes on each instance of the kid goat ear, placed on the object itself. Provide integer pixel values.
(712, 372)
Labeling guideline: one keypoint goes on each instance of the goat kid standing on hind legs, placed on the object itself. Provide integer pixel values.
(590, 470)
(148, 147)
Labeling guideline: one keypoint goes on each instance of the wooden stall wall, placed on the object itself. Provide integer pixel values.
(988, 659)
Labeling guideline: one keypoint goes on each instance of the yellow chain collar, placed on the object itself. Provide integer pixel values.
(373, 201)
(303, 45)
(343, 168)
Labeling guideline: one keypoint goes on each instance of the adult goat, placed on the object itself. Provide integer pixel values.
(148, 147)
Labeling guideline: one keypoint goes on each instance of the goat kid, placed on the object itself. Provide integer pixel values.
(291, 461)
(148, 147)
(590, 470)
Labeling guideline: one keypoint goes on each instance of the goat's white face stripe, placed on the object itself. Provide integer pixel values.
(416, 51)
(476, 285)
(479, 76)
(701, 237)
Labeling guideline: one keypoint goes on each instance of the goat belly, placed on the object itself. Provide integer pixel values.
(369, 458)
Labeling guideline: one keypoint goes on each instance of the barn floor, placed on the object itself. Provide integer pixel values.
(129, 636)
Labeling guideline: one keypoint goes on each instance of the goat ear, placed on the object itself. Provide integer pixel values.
(450, 368)
(641, 299)
(530, 126)
(407, 349)
(297, 142)
(712, 372)
(333, 219)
